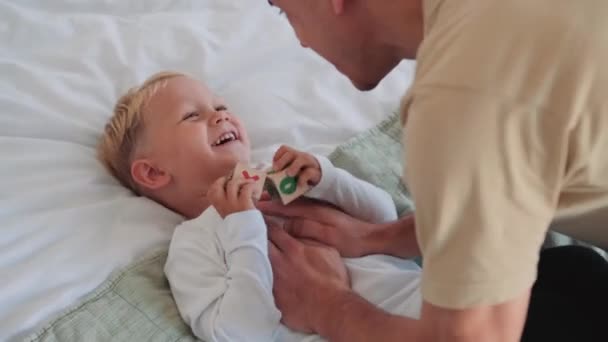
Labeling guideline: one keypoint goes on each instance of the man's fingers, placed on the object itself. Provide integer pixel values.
(298, 208)
(308, 229)
(277, 259)
(274, 221)
(273, 252)
(308, 208)
(283, 241)
(271, 208)
(265, 196)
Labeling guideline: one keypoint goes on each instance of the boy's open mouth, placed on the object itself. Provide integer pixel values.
(226, 138)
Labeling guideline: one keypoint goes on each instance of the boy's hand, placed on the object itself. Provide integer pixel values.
(231, 196)
(298, 164)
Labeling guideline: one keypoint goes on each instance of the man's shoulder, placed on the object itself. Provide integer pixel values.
(520, 52)
(517, 29)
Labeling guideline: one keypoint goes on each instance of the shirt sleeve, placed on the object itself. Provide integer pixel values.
(356, 197)
(225, 294)
(484, 175)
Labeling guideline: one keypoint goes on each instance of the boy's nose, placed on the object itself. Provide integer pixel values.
(219, 117)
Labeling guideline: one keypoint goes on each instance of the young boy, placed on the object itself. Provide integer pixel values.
(172, 140)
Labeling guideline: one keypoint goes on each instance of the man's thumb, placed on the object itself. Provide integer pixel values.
(270, 207)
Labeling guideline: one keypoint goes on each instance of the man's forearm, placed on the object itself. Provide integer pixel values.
(352, 318)
(396, 238)
(348, 317)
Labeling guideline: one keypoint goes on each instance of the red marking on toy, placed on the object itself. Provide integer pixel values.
(247, 176)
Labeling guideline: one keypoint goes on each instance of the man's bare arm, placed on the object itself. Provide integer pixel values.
(394, 238)
(312, 291)
(496, 323)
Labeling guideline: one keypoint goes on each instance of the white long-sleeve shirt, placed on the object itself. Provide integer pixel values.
(221, 277)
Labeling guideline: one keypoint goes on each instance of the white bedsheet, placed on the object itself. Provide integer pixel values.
(64, 223)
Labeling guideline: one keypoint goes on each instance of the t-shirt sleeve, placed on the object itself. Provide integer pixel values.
(484, 176)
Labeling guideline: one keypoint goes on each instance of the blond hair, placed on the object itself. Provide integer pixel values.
(121, 133)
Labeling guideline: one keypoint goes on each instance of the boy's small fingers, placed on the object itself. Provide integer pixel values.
(308, 158)
(306, 177)
(295, 167)
(283, 161)
(278, 154)
(217, 188)
(232, 189)
(246, 192)
(281, 151)
(219, 183)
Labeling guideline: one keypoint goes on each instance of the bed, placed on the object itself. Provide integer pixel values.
(65, 223)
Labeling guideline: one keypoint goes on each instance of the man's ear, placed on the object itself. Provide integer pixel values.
(148, 175)
(338, 6)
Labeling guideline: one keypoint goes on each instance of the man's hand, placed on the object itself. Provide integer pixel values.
(298, 164)
(307, 277)
(353, 238)
(309, 219)
(231, 196)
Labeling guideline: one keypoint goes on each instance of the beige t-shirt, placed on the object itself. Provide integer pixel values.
(507, 129)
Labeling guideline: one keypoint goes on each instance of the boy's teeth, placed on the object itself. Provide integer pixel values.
(225, 137)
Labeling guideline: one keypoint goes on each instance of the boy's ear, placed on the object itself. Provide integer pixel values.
(147, 175)
(338, 6)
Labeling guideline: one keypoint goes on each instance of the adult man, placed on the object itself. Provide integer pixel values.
(506, 124)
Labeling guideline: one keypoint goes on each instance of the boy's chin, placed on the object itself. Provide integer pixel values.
(231, 162)
(242, 157)
(237, 153)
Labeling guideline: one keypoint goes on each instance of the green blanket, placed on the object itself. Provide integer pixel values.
(135, 303)
(376, 156)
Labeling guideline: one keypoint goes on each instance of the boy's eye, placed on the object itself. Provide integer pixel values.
(221, 108)
(190, 115)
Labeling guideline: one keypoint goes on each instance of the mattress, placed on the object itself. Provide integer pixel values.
(65, 223)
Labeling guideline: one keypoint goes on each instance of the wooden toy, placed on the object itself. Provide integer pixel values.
(246, 172)
(286, 187)
(278, 184)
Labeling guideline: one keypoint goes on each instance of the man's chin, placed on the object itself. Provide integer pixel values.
(364, 86)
